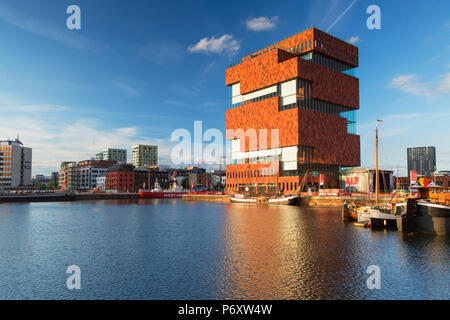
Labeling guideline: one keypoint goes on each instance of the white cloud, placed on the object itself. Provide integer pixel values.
(353, 40)
(226, 44)
(72, 139)
(412, 84)
(261, 23)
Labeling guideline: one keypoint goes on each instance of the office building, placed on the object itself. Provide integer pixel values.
(422, 160)
(15, 164)
(292, 114)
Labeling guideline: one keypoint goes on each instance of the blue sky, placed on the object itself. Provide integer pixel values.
(137, 70)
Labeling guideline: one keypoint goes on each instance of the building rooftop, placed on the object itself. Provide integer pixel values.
(16, 142)
(313, 39)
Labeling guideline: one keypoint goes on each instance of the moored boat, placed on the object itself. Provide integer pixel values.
(352, 212)
(433, 209)
(384, 220)
(284, 200)
(425, 208)
(160, 194)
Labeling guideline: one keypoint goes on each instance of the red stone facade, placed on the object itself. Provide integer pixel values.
(324, 133)
(120, 178)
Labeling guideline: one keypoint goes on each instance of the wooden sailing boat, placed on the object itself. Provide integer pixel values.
(381, 216)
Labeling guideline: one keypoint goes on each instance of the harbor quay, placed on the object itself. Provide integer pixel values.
(219, 197)
(57, 197)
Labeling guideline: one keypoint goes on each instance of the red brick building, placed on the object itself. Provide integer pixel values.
(120, 178)
(302, 91)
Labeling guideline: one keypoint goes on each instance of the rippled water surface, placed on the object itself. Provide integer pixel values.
(170, 249)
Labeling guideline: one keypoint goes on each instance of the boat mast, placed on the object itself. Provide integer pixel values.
(149, 178)
(376, 167)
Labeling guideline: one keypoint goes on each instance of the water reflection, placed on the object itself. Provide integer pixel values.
(298, 253)
(170, 249)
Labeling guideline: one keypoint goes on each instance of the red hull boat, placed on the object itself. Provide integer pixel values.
(161, 194)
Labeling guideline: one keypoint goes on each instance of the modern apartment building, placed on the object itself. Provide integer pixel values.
(422, 160)
(292, 114)
(15, 164)
(110, 154)
(143, 156)
(68, 175)
(90, 170)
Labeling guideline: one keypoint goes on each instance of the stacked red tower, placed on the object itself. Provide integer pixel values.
(303, 89)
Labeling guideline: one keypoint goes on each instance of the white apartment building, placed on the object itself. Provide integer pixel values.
(143, 156)
(119, 155)
(15, 164)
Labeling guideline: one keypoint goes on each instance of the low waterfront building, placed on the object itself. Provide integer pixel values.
(41, 181)
(120, 177)
(143, 156)
(89, 170)
(54, 179)
(218, 179)
(200, 180)
(15, 164)
(362, 180)
(141, 177)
